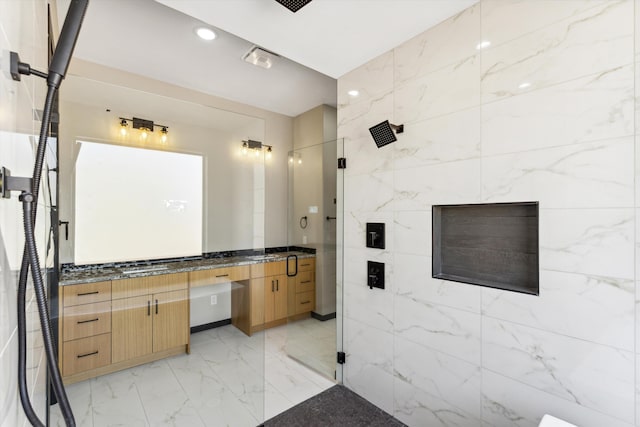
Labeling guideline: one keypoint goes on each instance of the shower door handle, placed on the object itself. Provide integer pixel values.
(295, 273)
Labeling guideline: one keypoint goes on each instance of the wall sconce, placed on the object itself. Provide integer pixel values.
(145, 126)
(257, 146)
(295, 157)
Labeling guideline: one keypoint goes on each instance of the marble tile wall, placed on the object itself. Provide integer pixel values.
(545, 110)
(23, 28)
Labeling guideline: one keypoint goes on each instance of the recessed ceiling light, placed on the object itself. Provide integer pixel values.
(205, 33)
(353, 93)
(483, 44)
(524, 85)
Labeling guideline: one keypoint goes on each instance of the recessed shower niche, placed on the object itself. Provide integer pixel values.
(491, 244)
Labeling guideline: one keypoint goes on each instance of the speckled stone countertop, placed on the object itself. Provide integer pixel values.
(115, 273)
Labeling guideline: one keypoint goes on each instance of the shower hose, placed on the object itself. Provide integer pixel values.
(30, 260)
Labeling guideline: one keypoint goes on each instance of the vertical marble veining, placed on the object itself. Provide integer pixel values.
(544, 110)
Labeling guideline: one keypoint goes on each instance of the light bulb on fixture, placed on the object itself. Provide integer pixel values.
(164, 133)
(299, 160)
(257, 152)
(123, 127)
(269, 152)
(143, 134)
(245, 148)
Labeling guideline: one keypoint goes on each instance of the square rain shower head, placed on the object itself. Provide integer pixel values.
(294, 5)
(383, 133)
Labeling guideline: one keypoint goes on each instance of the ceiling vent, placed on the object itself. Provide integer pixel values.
(260, 57)
(294, 5)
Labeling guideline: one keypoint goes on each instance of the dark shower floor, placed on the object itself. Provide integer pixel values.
(337, 406)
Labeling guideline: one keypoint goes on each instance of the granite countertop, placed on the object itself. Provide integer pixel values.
(115, 273)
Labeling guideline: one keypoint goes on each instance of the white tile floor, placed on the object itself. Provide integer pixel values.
(313, 343)
(229, 379)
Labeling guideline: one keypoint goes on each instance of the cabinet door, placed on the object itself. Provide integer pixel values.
(269, 302)
(257, 301)
(131, 328)
(170, 312)
(280, 297)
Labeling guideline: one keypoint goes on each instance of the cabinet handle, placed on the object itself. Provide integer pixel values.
(278, 285)
(88, 321)
(305, 302)
(305, 265)
(306, 281)
(272, 288)
(222, 275)
(148, 308)
(156, 306)
(88, 293)
(87, 354)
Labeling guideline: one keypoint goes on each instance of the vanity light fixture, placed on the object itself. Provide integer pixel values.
(164, 133)
(145, 126)
(123, 127)
(257, 146)
(295, 157)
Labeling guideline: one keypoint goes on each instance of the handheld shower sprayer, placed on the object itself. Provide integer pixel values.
(29, 188)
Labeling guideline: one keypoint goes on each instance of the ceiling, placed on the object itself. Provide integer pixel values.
(318, 44)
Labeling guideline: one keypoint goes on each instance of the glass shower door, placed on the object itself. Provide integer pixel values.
(315, 191)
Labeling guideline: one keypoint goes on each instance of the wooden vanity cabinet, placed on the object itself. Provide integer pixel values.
(150, 315)
(272, 297)
(302, 289)
(113, 325)
(263, 303)
(85, 327)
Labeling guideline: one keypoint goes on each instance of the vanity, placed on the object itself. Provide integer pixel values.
(115, 318)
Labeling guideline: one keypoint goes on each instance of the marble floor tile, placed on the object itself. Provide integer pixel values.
(229, 379)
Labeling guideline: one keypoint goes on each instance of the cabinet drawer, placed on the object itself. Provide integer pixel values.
(86, 320)
(86, 293)
(86, 353)
(219, 275)
(305, 281)
(267, 269)
(305, 301)
(137, 286)
(306, 264)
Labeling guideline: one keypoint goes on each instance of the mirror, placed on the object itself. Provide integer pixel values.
(233, 183)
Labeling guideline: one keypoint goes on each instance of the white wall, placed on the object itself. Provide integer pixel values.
(438, 353)
(23, 28)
